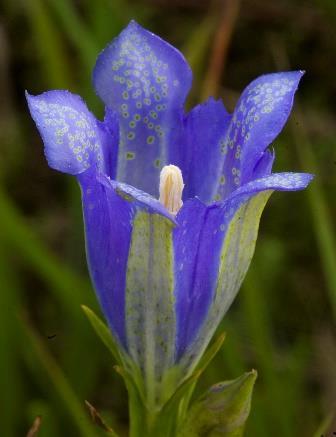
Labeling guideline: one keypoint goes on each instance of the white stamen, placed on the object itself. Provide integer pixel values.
(171, 187)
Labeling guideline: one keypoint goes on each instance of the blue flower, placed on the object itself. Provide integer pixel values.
(164, 281)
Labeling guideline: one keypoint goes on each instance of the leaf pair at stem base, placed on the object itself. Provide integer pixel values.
(221, 411)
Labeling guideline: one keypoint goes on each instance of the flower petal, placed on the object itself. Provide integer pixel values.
(109, 129)
(213, 247)
(264, 166)
(234, 241)
(286, 181)
(197, 245)
(139, 197)
(73, 139)
(108, 229)
(201, 163)
(129, 248)
(145, 81)
(260, 114)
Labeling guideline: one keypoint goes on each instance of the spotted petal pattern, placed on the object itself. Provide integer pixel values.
(72, 137)
(145, 81)
(260, 114)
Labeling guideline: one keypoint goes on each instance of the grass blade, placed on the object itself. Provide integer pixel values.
(49, 44)
(69, 288)
(76, 31)
(74, 407)
(11, 395)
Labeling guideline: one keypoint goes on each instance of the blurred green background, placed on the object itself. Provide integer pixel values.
(283, 321)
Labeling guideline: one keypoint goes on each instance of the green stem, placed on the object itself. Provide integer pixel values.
(137, 416)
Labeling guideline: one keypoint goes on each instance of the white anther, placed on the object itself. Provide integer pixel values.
(171, 187)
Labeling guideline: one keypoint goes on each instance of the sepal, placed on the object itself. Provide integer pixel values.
(128, 370)
(222, 410)
(103, 333)
(174, 410)
(211, 352)
(165, 419)
(204, 362)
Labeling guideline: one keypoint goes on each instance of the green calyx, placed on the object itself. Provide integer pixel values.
(221, 411)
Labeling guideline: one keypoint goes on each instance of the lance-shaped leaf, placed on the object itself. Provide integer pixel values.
(222, 410)
(104, 333)
(204, 362)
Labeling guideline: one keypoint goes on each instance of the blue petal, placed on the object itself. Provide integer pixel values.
(260, 114)
(73, 139)
(202, 162)
(108, 234)
(109, 129)
(129, 249)
(213, 246)
(140, 198)
(145, 81)
(197, 245)
(264, 166)
(286, 181)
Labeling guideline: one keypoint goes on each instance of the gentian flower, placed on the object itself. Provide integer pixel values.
(166, 273)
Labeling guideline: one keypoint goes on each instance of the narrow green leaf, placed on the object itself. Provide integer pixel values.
(11, 381)
(128, 370)
(68, 288)
(203, 364)
(104, 333)
(211, 352)
(230, 357)
(107, 18)
(166, 419)
(320, 212)
(138, 412)
(72, 404)
(49, 45)
(256, 315)
(76, 31)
